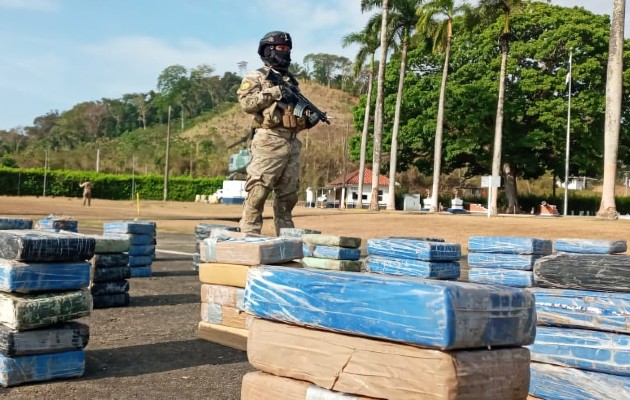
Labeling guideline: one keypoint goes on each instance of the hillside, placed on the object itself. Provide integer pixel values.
(323, 146)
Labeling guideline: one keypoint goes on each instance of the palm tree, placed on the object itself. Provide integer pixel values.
(378, 113)
(614, 81)
(368, 38)
(490, 10)
(441, 32)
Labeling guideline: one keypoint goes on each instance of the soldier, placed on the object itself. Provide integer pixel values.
(87, 192)
(275, 148)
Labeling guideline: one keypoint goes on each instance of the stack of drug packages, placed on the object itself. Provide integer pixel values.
(142, 239)
(52, 223)
(110, 272)
(333, 334)
(330, 252)
(582, 347)
(202, 231)
(15, 223)
(430, 258)
(44, 278)
(505, 260)
(226, 259)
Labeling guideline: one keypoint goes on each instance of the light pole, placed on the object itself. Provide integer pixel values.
(566, 160)
(168, 150)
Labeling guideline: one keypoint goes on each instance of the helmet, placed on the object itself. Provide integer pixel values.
(273, 38)
(280, 60)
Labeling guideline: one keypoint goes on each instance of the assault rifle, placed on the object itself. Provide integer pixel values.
(301, 103)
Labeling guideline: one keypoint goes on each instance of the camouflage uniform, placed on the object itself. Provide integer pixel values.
(275, 151)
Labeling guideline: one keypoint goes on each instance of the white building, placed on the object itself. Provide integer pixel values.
(343, 192)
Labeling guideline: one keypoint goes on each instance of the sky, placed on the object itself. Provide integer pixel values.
(57, 53)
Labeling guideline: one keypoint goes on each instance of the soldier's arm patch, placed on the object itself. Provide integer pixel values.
(245, 85)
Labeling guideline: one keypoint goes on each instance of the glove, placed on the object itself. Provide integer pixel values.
(288, 96)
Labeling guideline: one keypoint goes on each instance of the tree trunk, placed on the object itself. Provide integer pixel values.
(393, 154)
(498, 128)
(439, 128)
(378, 114)
(511, 192)
(614, 83)
(366, 123)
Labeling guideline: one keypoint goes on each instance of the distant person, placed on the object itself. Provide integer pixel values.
(87, 192)
(275, 148)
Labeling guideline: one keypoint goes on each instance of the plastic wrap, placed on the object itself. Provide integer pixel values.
(110, 274)
(500, 260)
(141, 271)
(386, 370)
(590, 246)
(111, 287)
(15, 223)
(111, 300)
(551, 382)
(332, 240)
(500, 276)
(441, 314)
(56, 224)
(25, 277)
(330, 252)
(140, 261)
(41, 367)
(509, 245)
(414, 249)
(224, 295)
(141, 227)
(583, 309)
(141, 250)
(133, 238)
(107, 260)
(39, 246)
(297, 232)
(51, 339)
(29, 311)
(602, 272)
(584, 349)
(251, 250)
(424, 269)
(338, 265)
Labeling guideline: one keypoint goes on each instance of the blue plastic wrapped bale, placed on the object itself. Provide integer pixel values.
(141, 250)
(509, 245)
(585, 349)
(56, 224)
(583, 309)
(203, 230)
(41, 367)
(29, 311)
(112, 287)
(141, 271)
(500, 276)
(15, 223)
(140, 227)
(140, 261)
(501, 260)
(51, 339)
(424, 269)
(439, 314)
(552, 382)
(331, 252)
(414, 249)
(25, 277)
(599, 272)
(590, 246)
(420, 238)
(251, 250)
(39, 246)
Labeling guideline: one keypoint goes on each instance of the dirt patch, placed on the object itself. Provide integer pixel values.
(149, 350)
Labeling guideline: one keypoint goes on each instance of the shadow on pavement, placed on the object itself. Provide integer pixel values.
(157, 357)
(175, 273)
(163, 300)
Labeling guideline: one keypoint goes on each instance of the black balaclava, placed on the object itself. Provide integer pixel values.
(279, 60)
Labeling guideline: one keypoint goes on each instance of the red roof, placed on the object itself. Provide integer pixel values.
(352, 178)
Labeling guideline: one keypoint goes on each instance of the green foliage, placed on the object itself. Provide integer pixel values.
(30, 182)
